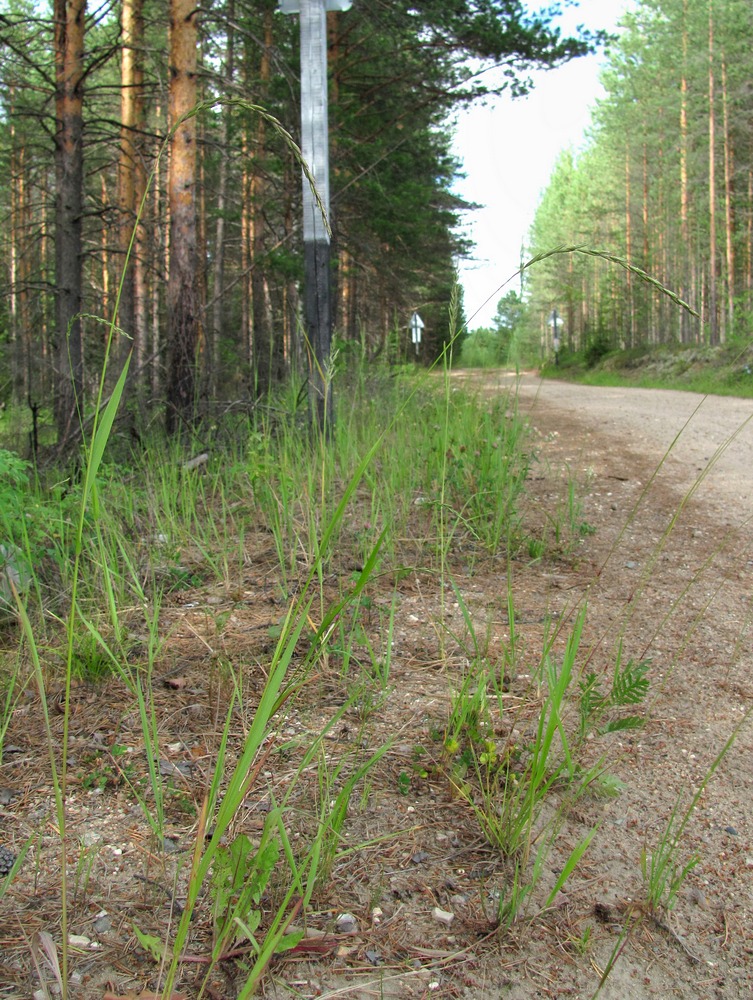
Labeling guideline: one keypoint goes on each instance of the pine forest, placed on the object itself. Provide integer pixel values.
(664, 182)
(160, 134)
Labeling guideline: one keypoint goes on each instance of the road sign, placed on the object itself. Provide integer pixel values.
(294, 6)
(416, 326)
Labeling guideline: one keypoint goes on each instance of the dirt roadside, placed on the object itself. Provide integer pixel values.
(664, 568)
(667, 571)
(668, 483)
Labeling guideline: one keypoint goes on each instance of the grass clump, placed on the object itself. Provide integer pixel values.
(129, 542)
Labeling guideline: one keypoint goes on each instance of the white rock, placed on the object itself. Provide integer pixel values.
(442, 916)
(346, 923)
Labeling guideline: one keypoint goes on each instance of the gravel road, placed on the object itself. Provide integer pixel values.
(712, 433)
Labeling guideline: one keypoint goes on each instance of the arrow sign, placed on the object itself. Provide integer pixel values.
(416, 326)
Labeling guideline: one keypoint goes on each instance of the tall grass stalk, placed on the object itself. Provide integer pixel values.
(663, 873)
(101, 428)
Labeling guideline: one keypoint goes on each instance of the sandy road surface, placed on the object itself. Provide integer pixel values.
(697, 433)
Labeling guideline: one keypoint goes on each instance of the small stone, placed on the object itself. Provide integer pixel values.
(443, 917)
(346, 923)
(174, 769)
(731, 831)
(82, 941)
(90, 838)
(102, 924)
(376, 915)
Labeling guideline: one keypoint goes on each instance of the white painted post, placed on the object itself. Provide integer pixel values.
(416, 327)
(317, 295)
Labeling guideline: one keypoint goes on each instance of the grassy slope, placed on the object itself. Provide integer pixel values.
(726, 370)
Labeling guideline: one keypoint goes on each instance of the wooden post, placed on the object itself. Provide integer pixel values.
(317, 296)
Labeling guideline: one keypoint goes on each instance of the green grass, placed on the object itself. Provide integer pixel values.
(416, 477)
(109, 549)
(720, 371)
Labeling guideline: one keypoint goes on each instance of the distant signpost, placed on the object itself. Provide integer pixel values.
(416, 327)
(317, 294)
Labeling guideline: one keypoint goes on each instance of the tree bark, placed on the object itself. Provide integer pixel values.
(131, 179)
(19, 325)
(267, 350)
(729, 220)
(685, 333)
(182, 299)
(629, 250)
(69, 174)
(219, 236)
(714, 337)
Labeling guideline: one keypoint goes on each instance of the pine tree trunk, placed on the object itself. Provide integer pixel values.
(685, 333)
(131, 180)
(749, 243)
(647, 315)
(182, 299)
(18, 320)
(712, 250)
(729, 220)
(266, 353)
(160, 261)
(104, 309)
(69, 175)
(629, 250)
(246, 249)
(218, 281)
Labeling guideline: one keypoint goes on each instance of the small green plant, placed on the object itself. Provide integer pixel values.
(403, 783)
(580, 943)
(84, 865)
(664, 872)
(15, 564)
(5, 880)
(629, 686)
(513, 782)
(484, 467)
(509, 787)
(469, 724)
(92, 657)
(240, 875)
(14, 489)
(565, 525)
(523, 882)
(107, 769)
(536, 548)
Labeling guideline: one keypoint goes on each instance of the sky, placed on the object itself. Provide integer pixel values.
(508, 150)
